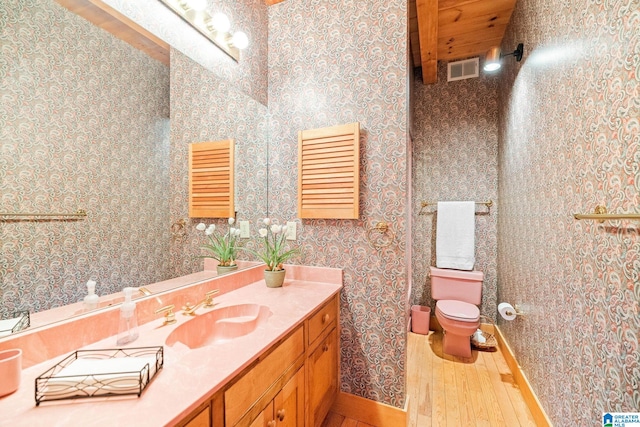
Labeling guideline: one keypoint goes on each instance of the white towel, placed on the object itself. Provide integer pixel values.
(7, 325)
(455, 235)
(99, 376)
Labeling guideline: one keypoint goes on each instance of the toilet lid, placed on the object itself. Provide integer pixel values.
(458, 310)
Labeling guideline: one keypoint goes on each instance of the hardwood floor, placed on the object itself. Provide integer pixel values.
(451, 391)
(336, 420)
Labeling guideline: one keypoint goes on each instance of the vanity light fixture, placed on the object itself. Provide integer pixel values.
(240, 40)
(214, 27)
(493, 57)
(197, 5)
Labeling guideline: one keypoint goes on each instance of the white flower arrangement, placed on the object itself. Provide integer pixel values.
(222, 248)
(275, 253)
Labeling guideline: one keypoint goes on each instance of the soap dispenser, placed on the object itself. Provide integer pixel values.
(91, 300)
(128, 330)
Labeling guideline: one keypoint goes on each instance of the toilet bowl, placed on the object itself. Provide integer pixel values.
(459, 320)
(458, 293)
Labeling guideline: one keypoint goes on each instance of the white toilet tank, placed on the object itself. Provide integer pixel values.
(456, 285)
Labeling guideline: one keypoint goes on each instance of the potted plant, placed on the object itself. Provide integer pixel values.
(275, 252)
(221, 248)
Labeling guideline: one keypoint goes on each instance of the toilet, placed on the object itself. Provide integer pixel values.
(458, 294)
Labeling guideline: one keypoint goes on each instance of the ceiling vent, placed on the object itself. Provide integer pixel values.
(461, 70)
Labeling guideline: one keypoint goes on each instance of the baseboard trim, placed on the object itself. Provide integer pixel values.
(370, 412)
(530, 398)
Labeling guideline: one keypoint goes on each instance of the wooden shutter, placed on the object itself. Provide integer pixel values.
(329, 172)
(211, 170)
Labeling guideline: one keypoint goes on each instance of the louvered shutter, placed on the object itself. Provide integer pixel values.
(211, 169)
(328, 172)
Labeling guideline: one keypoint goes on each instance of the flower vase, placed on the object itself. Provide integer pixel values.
(274, 279)
(223, 269)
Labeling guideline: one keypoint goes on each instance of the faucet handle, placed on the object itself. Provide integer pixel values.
(188, 309)
(208, 302)
(144, 291)
(169, 317)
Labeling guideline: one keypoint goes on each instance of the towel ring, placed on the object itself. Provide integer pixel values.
(178, 228)
(381, 227)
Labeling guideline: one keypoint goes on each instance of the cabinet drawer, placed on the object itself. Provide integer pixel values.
(323, 318)
(241, 396)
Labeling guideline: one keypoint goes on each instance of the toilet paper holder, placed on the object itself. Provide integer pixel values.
(509, 312)
(516, 310)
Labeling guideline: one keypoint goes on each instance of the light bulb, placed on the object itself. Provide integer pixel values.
(492, 66)
(492, 59)
(220, 22)
(197, 5)
(240, 40)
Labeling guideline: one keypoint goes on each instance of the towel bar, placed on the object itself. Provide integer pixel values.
(488, 204)
(600, 214)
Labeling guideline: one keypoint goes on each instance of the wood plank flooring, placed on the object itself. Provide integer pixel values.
(452, 391)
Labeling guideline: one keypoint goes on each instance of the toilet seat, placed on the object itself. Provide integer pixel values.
(458, 310)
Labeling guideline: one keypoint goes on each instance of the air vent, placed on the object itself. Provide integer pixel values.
(461, 70)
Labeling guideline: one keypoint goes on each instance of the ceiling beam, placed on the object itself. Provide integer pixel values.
(427, 11)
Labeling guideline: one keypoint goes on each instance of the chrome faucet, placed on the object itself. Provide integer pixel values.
(207, 302)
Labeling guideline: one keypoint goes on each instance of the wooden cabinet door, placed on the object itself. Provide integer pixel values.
(288, 405)
(203, 419)
(322, 371)
(265, 418)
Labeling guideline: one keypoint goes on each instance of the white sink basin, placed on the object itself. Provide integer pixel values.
(222, 324)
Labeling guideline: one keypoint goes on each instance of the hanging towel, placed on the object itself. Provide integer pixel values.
(455, 235)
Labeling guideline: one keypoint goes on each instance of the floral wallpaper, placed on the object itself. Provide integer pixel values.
(335, 62)
(250, 16)
(570, 140)
(78, 130)
(206, 108)
(455, 157)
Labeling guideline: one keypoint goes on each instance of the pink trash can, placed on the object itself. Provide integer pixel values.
(420, 316)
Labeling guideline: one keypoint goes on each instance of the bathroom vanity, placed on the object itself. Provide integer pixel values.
(283, 373)
(272, 391)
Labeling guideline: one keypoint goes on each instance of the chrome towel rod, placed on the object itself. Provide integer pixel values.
(488, 204)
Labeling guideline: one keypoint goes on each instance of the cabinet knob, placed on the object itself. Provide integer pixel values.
(271, 423)
(325, 347)
(325, 318)
(280, 415)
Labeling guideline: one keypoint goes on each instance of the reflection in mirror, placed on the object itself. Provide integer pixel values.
(88, 123)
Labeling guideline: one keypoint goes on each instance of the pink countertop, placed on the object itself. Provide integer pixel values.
(189, 377)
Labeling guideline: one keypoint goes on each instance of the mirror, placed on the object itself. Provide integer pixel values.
(91, 123)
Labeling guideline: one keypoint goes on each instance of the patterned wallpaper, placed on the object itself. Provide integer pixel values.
(78, 130)
(569, 140)
(335, 62)
(206, 108)
(250, 16)
(455, 157)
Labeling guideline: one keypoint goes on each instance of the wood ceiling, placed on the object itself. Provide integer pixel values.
(454, 29)
(439, 30)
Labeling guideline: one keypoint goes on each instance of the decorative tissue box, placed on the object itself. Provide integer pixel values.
(100, 373)
(20, 321)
